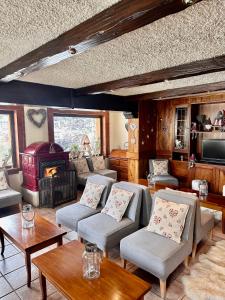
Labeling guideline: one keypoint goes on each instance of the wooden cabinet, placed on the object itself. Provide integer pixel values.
(214, 174)
(118, 161)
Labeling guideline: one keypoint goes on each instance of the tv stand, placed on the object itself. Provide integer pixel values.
(213, 173)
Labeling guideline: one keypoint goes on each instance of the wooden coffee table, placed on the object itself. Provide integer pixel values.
(29, 240)
(63, 268)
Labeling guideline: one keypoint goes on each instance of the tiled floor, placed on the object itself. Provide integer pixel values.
(13, 272)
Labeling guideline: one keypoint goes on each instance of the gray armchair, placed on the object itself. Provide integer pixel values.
(105, 231)
(9, 196)
(157, 254)
(162, 178)
(70, 215)
(204, 221)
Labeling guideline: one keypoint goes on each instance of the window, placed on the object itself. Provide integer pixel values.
(70, 130)
(12, 136)
(7, 139)
(68, 127)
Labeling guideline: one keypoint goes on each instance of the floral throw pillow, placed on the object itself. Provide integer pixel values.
(81, 165)
(160, 167)
(168, 219)
(98, 163)
(117, 203)
(92, 194)
(3, 181)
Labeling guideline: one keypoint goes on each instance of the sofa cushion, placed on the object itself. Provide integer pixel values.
(70, 215)
(98, 163)
(160, 167)
(166, 179)
(117, 203)
(154, 253)
(81, 165)
(9, 197)
(109, 173)
(168, 219)
(3, 181)
(105, 231)
(92, 194)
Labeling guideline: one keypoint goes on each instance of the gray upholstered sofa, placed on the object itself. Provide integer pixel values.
(9, 197)
(157, 254)
(82, 177)
(169, 179)
(105, 231)
(70, 215)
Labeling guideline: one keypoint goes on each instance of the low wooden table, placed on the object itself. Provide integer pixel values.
(29, 240)
(157, 186)
(213, 201)
(63, 268)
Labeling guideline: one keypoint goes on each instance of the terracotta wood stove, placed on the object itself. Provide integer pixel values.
(42, 159)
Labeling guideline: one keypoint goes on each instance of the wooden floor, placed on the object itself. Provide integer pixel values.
(13, 274)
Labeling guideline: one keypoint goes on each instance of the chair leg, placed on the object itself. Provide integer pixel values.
(124, 263)
(194, 250)
(162, 288)
(186, 261)
(105, 254)
(79, 238)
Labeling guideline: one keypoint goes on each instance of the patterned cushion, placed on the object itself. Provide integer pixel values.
(81, 165)
(98, 163)
(92, 194)
(160, 167)
(3, 181)
(117, 203)
(168, 219)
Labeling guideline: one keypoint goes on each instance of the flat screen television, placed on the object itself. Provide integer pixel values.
(213, 151)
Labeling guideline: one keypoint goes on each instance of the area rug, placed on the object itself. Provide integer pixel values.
(207, 277)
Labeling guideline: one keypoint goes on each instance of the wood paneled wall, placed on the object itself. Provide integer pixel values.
(157, 119)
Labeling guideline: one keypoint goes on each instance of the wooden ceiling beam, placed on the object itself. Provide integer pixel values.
(20, 92)
(206, 66)
(123, 17)
(178, 92)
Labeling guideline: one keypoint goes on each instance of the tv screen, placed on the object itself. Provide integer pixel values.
(213, 150)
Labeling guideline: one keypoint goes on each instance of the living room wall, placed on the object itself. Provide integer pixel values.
(118, 136)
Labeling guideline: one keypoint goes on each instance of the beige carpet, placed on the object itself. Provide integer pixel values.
(207, 277)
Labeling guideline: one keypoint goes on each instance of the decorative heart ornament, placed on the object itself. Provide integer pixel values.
(133, 126)
(37, 116)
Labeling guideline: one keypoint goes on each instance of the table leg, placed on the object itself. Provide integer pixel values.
(223, 221)
(60, 241)
(42, 280)
(28, 266)
(2, 242)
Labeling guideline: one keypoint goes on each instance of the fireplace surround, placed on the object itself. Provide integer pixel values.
(39, 157)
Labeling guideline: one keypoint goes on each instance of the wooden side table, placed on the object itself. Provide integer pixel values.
(29, 240)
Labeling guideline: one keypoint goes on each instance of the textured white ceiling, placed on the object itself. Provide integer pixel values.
(194, 34)
(27, 24)
(167, 85)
